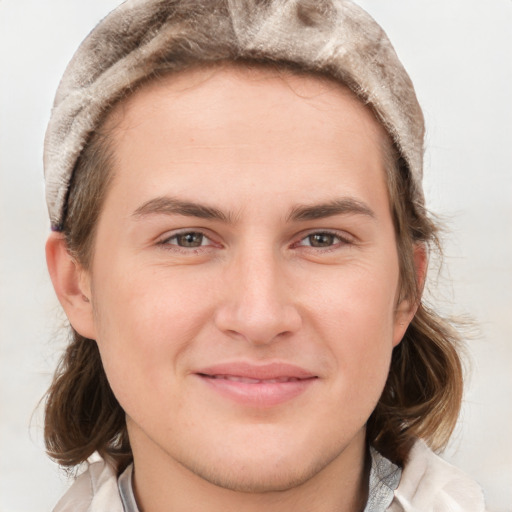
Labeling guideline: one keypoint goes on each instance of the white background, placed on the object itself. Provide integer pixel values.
(459, 54)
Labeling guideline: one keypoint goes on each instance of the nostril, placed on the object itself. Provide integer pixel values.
(258, 327)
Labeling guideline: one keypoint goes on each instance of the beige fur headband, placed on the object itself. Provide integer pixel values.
(144, 37)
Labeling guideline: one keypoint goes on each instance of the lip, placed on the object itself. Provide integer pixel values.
(256, 385)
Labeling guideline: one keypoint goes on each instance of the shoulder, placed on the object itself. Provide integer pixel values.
(95, 490)
(430, 484)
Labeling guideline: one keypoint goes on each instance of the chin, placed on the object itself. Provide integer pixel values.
(263, 471)
(250, 479)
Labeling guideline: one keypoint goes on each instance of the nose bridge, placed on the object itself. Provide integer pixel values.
(259, 307)
(261, 280)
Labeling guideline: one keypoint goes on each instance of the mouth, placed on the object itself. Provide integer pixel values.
(258, 386)
(247, 380)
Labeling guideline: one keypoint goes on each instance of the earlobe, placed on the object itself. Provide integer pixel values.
(407, 308)
(72, 285)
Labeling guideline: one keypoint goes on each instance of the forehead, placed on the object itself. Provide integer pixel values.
(223, 87)
(287, 131)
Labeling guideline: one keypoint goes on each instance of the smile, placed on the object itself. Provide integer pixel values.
(248, 380)
(257, 386)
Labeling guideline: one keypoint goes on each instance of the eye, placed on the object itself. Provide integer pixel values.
(323, 240)
(189, 239)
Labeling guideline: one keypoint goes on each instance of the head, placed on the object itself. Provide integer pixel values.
(315, 254)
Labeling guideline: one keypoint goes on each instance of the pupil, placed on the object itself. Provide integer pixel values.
(190, 240)
(322, 240)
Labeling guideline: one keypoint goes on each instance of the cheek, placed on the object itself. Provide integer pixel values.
(143, 299)
(357, 315)
(146, 321)
(359, 299)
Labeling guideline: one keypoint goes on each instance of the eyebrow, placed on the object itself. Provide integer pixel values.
(342, 206)
(173, 206)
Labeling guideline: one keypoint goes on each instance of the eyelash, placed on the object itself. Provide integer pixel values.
(165, 243)
(342, 240)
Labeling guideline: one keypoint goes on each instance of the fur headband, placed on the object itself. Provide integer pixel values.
(142, 38)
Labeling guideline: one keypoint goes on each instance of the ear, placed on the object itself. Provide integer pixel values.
(72, 285)
(406, 309)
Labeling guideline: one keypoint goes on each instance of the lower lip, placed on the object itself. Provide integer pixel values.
(259, 394)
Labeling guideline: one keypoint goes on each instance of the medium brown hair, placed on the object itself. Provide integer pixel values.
(422, 395)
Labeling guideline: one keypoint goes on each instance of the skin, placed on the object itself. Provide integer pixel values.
(317, 290)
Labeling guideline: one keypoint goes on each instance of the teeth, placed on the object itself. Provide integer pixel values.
(247, 380)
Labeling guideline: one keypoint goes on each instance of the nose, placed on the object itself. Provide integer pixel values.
(258, 305)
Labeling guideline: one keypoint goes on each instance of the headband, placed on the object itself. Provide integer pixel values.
(142, 38)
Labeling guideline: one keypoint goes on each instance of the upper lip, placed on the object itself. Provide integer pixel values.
(269, 371)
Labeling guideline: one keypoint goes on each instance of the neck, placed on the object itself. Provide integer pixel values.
(162, 483)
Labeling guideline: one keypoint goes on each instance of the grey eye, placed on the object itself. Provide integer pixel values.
(191, 239)
(322, 239)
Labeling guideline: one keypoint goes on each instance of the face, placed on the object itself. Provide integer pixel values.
(244, 280)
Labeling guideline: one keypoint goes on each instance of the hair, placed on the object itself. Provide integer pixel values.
(423, 392)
